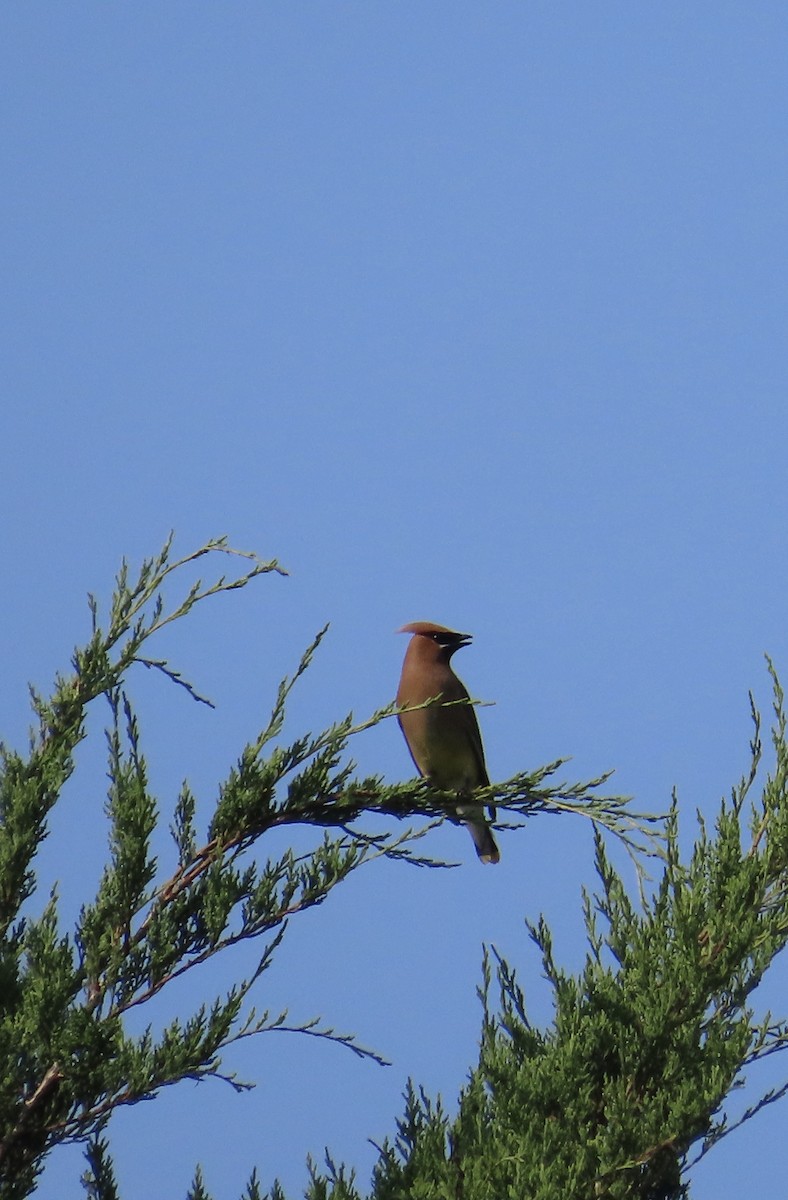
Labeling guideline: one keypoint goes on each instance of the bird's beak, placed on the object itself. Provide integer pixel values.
(464, 639)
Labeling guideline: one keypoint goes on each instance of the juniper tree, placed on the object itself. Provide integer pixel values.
(628, 1087)
(68, 1057)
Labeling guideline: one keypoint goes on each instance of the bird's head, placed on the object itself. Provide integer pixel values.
(435, 641)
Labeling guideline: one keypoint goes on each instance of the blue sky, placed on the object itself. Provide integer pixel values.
(467, 312)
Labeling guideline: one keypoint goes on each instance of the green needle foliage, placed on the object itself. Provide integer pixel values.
(68, 1056)
(629, 1085)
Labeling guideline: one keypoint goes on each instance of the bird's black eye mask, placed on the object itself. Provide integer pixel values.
(450, 639)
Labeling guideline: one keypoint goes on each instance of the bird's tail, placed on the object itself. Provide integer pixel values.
(484, 841)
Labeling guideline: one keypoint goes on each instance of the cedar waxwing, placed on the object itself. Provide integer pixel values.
(444, 742)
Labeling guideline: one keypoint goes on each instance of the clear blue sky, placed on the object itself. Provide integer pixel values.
(468, 312)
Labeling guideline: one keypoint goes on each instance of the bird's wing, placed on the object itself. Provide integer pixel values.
(466, 713)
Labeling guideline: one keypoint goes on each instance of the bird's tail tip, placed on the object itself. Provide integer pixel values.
(483, 840)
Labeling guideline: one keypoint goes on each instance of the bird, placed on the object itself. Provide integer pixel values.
(444, 741)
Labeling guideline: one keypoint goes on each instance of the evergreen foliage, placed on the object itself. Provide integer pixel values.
(67, 1056)
(628, 1086)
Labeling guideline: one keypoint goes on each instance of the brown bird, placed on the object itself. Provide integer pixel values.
(444, 742)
